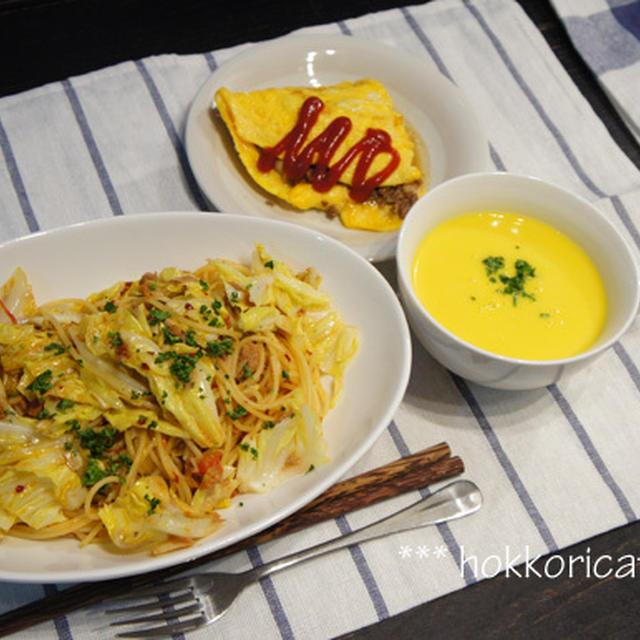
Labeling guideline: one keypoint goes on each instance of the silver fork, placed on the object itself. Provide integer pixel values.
(207, 596)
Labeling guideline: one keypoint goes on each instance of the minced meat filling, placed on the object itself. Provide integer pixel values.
(399, 198)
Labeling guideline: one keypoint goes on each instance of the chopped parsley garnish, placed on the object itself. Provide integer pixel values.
(204, 285)
(238, 412)
(513, 285)
(41, 383)
(269, 264)
(44, 414)
(545, 315)
(164, 356)
(153, 503)
(205, 312)
(493, 264)
(115, 338)
(217, 348)
(246, 372)
(183, 365)
(123, 460)
(216, 305)
(65, 404)
(285, 374)
(169, 336)
(234, 296)
(97, 469)
(74, 425)
(189, 338)
(57, 348)
(254, 452)
(269, 425)
(110, 307)
(311, 468)
(93, 473)
(97, 441)
(156, 316)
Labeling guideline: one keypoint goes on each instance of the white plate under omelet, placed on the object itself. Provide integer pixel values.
(450, 139)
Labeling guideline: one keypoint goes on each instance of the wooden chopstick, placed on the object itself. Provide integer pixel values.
(406, 474)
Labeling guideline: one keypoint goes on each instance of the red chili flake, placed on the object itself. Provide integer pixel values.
(188, 306)
(126, 287)
(20, 488)
(227, 322)
(288, 357)
(145, 366)
(141, 420)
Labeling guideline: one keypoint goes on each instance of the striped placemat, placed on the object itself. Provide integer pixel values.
(606, 33)
(556, 465)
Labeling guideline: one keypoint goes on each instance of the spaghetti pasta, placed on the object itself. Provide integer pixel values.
(133, 417)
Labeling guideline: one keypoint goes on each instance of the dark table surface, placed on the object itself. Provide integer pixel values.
(48, 40)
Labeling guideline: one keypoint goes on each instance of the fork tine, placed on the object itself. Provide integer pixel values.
(165, 615)
(155, 604)
(178, 584)
(167, 629)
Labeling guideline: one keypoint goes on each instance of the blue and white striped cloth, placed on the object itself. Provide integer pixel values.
(556, 465)
(607, 35)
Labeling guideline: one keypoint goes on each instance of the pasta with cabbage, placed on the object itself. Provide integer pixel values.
(135, 415)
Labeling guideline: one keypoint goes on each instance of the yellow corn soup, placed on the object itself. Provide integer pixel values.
(511, 285)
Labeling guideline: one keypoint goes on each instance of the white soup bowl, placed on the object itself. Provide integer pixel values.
(533, 198)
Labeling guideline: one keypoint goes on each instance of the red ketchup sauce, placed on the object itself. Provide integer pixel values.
(319, 152)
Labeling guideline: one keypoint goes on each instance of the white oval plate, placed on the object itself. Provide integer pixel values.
(77, 260)
(449, 134)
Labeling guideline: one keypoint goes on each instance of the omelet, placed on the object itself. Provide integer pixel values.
(342, 149)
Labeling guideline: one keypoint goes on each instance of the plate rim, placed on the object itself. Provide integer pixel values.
(150, 563)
